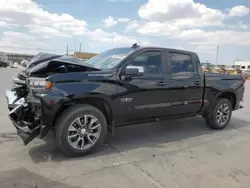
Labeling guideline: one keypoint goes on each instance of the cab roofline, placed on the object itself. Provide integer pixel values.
(168, 49)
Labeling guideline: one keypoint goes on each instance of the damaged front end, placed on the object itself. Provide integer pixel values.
(25, 115)
(25, 98)
(26, 129)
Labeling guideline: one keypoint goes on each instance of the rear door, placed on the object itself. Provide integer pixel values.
(184, 82)
(144, 96)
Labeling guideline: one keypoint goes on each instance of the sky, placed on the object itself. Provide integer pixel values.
(201, 26)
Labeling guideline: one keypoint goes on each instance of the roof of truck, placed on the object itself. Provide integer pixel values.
(162, 48)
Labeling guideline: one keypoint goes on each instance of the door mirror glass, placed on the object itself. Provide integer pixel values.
(134, 70)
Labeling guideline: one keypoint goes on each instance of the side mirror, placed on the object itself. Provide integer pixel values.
(134, 70)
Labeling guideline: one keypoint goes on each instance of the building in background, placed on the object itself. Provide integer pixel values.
(14, 57)
(84, 56)
(243, 64)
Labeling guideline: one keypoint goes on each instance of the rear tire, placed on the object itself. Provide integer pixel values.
(221, 114)
(80, 130)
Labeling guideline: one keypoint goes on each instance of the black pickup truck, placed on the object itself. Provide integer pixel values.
(82, 101)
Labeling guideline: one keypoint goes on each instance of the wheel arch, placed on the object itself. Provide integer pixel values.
(230, 95)
(227, 94)
(100, 101)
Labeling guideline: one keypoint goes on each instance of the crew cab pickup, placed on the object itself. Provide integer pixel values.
(82, 101)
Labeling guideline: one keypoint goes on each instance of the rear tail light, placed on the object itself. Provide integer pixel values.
(243, 79)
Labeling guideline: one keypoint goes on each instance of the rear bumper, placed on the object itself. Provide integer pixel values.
(27, 130)
(240, 105)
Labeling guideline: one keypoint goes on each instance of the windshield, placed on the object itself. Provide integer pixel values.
(110, 58)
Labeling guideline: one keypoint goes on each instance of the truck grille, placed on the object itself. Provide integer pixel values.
(22, 75)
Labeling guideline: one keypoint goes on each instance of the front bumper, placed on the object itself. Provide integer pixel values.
(19, 108)
(22, 127)
(12, 99)
(18, 81)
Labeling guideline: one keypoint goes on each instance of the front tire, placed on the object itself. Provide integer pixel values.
(221, 114)
(80, 130)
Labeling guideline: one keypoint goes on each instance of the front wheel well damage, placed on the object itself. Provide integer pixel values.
(99, 103)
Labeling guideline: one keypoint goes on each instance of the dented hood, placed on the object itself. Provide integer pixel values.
(44, 63)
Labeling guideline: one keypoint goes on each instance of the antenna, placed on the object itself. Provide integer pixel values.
(135, 46)
(217, 54)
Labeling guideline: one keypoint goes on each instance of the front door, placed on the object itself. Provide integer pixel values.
(143, 96)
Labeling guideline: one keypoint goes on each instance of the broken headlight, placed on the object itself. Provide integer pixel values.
(36, 83)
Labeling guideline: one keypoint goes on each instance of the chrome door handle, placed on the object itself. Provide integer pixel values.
(161, 83)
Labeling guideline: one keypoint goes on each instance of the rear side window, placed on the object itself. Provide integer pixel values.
(180, 64)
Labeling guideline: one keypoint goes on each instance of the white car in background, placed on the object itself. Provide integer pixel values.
(24, 63)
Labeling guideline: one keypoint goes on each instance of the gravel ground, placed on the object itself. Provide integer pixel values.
(171, 154)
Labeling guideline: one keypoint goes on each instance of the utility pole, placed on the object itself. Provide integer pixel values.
(217, 54)
(67, 50)
(75, 43)
(80, 49)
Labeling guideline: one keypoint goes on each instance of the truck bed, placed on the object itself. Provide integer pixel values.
(211, 76)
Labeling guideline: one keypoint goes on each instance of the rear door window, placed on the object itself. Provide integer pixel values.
(180, 64)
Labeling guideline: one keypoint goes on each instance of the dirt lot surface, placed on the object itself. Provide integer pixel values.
(171, 154)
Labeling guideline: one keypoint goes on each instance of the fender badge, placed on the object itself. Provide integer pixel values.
(126, 100)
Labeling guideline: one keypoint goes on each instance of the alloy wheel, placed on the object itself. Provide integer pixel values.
(223, 114)
(84, 132)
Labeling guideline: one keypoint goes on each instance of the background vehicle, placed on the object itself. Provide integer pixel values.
(84, 101)
(3, 60)
(24, 63)
(3, 63)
